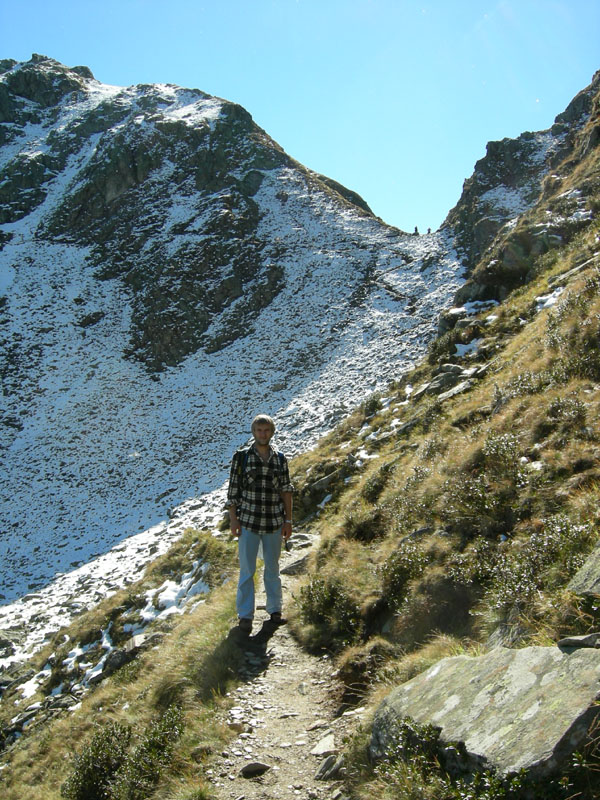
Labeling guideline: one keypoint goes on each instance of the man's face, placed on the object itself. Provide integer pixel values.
(262, 433)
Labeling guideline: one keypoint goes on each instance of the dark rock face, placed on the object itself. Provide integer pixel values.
(514, 176)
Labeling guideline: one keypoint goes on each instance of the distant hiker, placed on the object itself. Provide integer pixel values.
(259, 500)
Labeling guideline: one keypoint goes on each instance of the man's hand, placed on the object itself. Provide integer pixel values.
(234, 524)
(286, 530)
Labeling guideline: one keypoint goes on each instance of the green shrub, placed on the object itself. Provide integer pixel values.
(476, 564)
(565, 414)
(325, 603)
(408, 561)
(444, 347)
(432, 447)
(528, 383)
(372, 405)
(364, 524)
(545, 561)
(501, 454)
(142, 769)
(375, 483)
(95, 767)
(106, 769)
(477, 506)
(418, 764)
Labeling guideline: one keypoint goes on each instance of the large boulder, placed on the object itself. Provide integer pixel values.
(513, 709)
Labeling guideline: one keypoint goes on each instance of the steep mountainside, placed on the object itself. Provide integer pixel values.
(167, 271)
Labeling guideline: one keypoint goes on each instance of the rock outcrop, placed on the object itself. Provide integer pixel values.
(495, 222)
(513, 710)
(586, 580)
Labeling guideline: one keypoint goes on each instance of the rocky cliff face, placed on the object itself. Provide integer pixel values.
(518, 175)
(166, 271)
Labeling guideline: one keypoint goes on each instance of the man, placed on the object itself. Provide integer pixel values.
(259, 500)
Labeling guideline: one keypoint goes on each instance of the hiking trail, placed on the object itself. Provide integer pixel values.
(287, 712)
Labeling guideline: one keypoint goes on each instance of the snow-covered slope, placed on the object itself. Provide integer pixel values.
(98, 444)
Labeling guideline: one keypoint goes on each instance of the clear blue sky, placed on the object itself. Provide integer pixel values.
(396, 99)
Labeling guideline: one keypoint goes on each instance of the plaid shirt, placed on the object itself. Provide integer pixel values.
(256, 490)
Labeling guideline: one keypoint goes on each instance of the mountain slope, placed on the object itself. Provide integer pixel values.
(166, 271)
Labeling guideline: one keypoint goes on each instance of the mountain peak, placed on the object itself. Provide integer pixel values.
(43, 80)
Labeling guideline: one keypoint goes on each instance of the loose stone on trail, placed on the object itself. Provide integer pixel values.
(325, 747)
(254, 769)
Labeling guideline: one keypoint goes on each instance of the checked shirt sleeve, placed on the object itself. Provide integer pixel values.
(234, 492)
(287, 485)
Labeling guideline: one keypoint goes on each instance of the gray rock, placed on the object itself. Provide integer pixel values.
(330, 768)
(325, 482)
(587, 579)
(443, 381)
(456, 369)
(254, 769)
(64, 701)
(114, 661)
(587, 640)
(324, 768)
(325, 747)
(7, 648)
(463, 386)
(296, 567)
(449, 318)
(513, 709)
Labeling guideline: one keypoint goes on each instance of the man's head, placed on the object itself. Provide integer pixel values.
(262, 420)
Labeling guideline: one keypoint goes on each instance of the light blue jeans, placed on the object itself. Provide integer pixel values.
(248, 543)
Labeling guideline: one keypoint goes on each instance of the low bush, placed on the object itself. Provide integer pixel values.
(365, 523)
(376, 482)
(407, 562)
(544, 561)
(418, 764)
(107, 770)
(478, 506)
(95, 767)
(143, 767)
(372, 405)
(326, 604)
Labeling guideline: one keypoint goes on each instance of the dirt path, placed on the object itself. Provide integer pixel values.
(288, 716)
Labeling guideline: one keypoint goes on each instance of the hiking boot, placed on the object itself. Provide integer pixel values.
(277, 619)
(245, 625)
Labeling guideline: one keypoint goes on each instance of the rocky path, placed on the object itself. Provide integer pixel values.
(289, 720)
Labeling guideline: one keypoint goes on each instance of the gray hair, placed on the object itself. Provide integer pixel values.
(263, 419)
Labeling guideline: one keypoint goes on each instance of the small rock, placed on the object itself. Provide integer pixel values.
(325, 747)
(324, 767)
(254, 769)
(587, 640)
